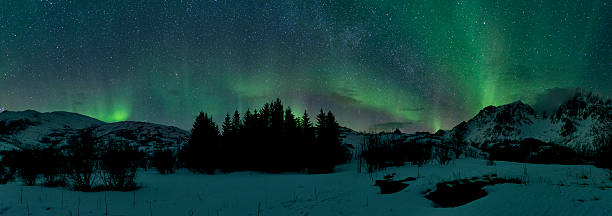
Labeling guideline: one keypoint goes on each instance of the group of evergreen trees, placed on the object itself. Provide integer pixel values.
(271, 140)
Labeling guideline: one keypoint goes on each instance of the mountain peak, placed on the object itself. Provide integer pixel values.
(517, 103)
(30, 128)
(583, 106)
(573, 125)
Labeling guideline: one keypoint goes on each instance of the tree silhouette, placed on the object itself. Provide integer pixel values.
(201, 153)
(83, 160)
(328, 145)
(306, 141)
(271, 139)
(164, 161)
(227, 126)
(290, 145)
(28, 165)
(53, 166)
(119, 162)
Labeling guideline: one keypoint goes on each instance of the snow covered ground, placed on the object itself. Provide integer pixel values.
(551, 190)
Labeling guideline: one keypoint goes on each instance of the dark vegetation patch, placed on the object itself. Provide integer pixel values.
(85, 164)
(10, 127)
(460, 192)
(271, 140)
(6, 174)
(533, 151)
(390, 186)
(381, 151)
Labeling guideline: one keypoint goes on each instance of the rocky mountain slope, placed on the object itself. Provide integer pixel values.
(147, 136)
(32, 129)
(576, 124)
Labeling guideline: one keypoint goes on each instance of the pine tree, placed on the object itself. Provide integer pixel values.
(248, 120)
(339, 152)
(307, 152)
(321, 121)
(290, 143)
(201, 153)
(275, 150)
(328, 145)
(290, 122)
(236, 123)
(227, 126)
(228, 148)
(264, 116)
(248, 138)
(305, 123)
(276, 118)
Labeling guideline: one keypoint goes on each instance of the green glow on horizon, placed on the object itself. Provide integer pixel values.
(119, 115)
(116, 112)
(436, 124)
(428, 64)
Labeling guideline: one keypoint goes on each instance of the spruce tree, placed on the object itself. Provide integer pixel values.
(264, 116)
(328, 145)
(248, 138)
(276, 118)
(228, 156)
(227, 126)
(236, 123)
(201, 153)
(305, 123)
(307, 152)
(290, 143)
(290, 121)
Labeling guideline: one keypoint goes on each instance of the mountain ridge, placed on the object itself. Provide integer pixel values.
(575, 124)
(33, 129)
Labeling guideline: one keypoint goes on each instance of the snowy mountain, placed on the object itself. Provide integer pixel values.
(582, 120)
(147, 136)
(32, 129)
(575, 124)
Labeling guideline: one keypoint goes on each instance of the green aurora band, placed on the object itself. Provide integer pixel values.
(422, 65)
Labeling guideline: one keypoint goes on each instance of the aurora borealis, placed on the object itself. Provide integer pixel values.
(416, 65)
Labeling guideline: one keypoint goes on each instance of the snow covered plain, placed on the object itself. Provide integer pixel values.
(551, 190)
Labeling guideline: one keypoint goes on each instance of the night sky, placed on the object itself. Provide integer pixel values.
(376, 64)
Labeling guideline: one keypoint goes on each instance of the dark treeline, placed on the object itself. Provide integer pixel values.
(271, 139)
(383, 150)
(84, 164)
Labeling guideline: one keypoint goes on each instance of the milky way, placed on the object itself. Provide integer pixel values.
(416, 65)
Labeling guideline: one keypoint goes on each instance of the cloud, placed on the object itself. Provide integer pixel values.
(342, 98)
(550, 100)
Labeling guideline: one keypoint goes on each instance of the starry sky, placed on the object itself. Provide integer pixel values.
(415, 65)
